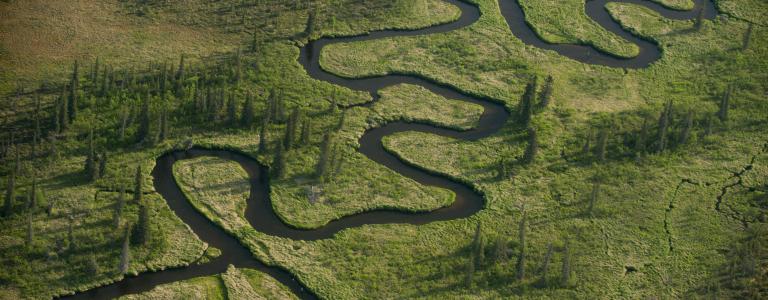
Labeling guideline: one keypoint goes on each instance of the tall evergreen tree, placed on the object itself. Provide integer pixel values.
(30, 232)
(725, 104)
(664, 121)
(32, 200)
(143, 132)
(325, 155)
(163, 124)
(685, 134)
(311, 20)
(246, 120)
(138, 185)
(142, 231)
(533, 147)
(179, 80)
(74, 85)
(546, 92)
(587, 147)
(306, 131)
(470, 272)
(125, 254)
(231, 111)
(103, 164)
(119, 207)
(500, 254)
(278, 163)
(478, 246)
(64, 113)
(593, 197)
(263, 136)
(10, 194)
(91, 168)
(747, 38)
(290, 129)
(565, 277)
(602, 144)
(544, 269)
(525, 107)
(642, 138)
(699, 24)
(521, 255)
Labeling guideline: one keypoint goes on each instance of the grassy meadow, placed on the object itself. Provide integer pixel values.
(606, 217)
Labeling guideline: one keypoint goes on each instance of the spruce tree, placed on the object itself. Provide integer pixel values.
(545, 263)
(587, 147)
(525, 108)
(290, 129)
(709, 126)
(725, 104)
(642, 138)
(30, 232)
(179, 80)
(699, 24)
(64, 114)
(602, 143)
(263, 136)
(142, 231)
(123, 123)
(664, 121)
(73, 93)
(593, 197)
(500, 254)
(93, 265)
(533, 147)
(56, 116)
(91, 169)
(747, 38)
(311, 20)
(119, 207)
(278, 163)
(520, 275)
(138, 185)
(546, 92)
(565, 277)
(71, 233)
(306, 131)
(231, 111)
(685, 134)
(342, 120)
(322, 163)
(143, 132)
(103, 164)
(32, 198)
(125, 254)
(478, 246)
(246, 120)
(470, 272)
(10, 194)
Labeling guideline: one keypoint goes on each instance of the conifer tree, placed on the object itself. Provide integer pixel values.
(10, 194)
(470, 272)
(32, 198)
(231, 111)
(306, 131)
(724, 104)
(163, 124)
(533, 147)
(138, 185)
(246, 120)
(699, 24)
(747, 38)
(593, 197)
(708, 127)
(521, 255)
(71, 233)
(565, 278)
(73, 92)
(664, 127)
(143, 132)
(125, 254)
(478, 246)
(64, 113)
(642, 137)
(342, 120)
(56, 116)
(91, 168)
(263, 136)
(586, 147)
(179, 80)
(325, 156)
(290, 129)
(123, 123)
(546, 92)
(142, 234)
(311, 20)
(119, 207)
(93, 265)
(238, 66)
(278, 163)
(544, 269)
(602, 143)
(103, 164)
(500, 254)
(525, 107)
(30, 232)
(685, 134)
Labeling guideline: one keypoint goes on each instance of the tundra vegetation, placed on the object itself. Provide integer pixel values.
(605, 183)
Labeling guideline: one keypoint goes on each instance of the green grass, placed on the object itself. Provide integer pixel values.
(678, 242)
